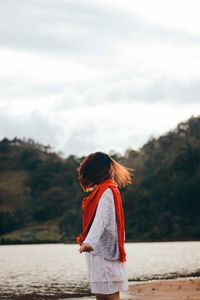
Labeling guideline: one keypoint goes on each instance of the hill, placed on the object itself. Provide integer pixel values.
(40, 196)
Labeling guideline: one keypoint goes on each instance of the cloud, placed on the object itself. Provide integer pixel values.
(162, 89)
(86, 75)
(34, 125)
(83, 139)
(132, 90)
(79, 53)
(61, 97)
(106, 127)
(80, 28)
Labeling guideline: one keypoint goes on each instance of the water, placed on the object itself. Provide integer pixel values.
(58, 271)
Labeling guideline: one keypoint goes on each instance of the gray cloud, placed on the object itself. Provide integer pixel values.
(71, 95)
(91, 32)
(77, 27)
(81, 139)
(14, 88)
(169, 90)
(162, 89)
(33, 125)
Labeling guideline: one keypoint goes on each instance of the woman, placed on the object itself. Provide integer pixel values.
(103, 234)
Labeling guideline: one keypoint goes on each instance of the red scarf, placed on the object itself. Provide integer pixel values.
(89, 206)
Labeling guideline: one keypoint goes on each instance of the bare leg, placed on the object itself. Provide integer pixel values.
(114, 296)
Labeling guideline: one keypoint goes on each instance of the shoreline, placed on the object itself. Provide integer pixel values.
(9, 242)
(165, 289)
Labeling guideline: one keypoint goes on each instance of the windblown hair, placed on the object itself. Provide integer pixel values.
(99, 166)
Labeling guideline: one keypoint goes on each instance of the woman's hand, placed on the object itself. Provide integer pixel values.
(85, 248)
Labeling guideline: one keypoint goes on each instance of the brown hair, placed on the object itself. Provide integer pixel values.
(99, 166)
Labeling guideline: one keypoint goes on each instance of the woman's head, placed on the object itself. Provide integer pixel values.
(99, 166)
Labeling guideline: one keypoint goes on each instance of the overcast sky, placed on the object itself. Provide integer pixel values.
(96, 75)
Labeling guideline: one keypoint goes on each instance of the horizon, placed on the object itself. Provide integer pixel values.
(63, 155)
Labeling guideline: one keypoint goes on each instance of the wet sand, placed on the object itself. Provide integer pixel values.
(176, 289)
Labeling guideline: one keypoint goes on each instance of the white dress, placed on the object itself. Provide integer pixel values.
(106, 276)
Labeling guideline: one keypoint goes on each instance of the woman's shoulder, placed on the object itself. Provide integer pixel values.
(108, 192)
(108, 196)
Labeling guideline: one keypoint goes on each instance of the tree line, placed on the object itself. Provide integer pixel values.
(161, 204)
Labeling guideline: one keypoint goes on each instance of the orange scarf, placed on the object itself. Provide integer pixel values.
(89, 206)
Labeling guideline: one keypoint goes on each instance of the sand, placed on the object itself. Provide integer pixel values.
(177, 289)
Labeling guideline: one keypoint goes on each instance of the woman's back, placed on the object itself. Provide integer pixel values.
(102, 235)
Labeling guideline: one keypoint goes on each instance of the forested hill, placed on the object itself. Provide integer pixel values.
(40, 196)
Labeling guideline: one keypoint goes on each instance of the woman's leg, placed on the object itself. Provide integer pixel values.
(114, 296)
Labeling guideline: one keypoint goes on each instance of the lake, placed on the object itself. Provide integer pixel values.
(58, 271)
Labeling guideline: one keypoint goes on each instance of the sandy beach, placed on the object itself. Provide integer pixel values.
(176, 289)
